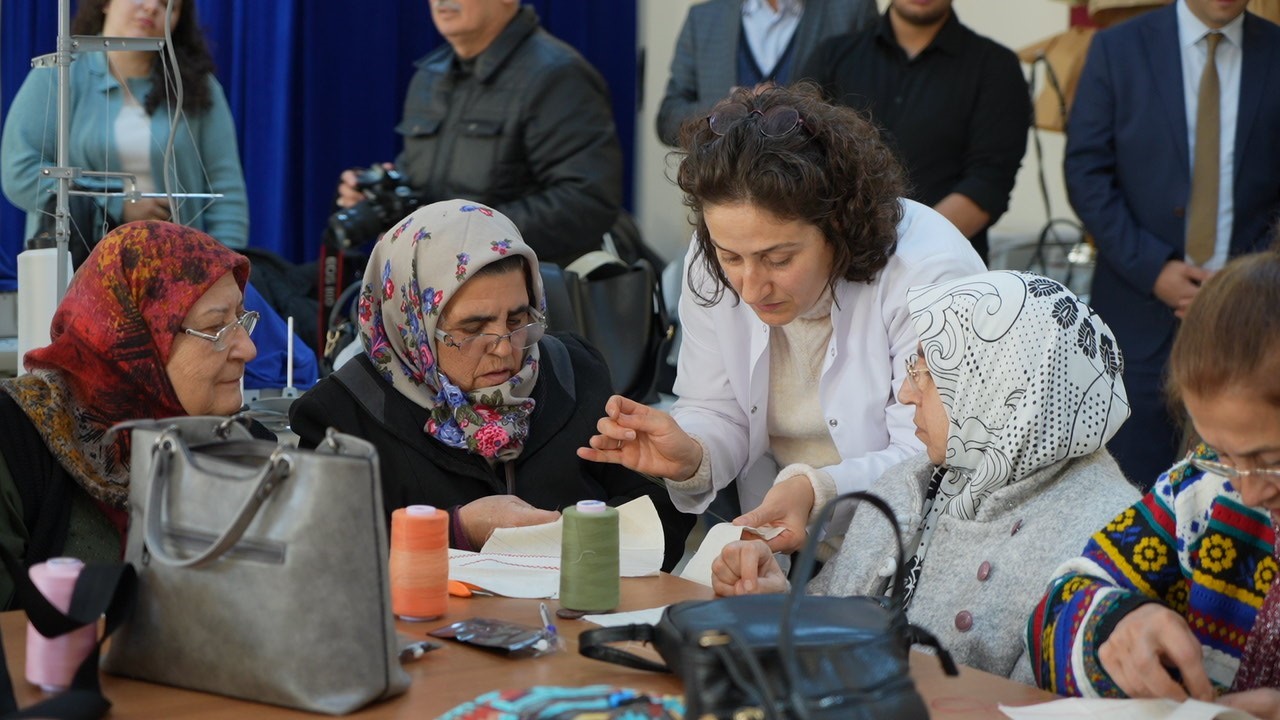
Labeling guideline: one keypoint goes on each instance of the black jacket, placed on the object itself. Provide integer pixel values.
(525, 127)
(417, 469)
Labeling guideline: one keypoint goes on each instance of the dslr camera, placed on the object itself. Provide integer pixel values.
(388, 198)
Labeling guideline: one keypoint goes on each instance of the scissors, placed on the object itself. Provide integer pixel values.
(457, 588)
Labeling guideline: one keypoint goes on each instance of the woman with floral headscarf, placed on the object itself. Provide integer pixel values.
(472, 406)
(149, 328)
(1016, 388)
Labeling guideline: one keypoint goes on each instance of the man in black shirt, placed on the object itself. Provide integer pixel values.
(954, 106)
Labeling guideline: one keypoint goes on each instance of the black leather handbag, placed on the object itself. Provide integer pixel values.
(792, 656)
(619, 309)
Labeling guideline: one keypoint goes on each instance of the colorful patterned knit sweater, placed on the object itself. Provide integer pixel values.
(1191, 544)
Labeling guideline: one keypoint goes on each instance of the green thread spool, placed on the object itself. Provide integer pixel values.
(589, 576)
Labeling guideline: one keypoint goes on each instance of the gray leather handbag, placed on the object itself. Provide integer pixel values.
(262, 569)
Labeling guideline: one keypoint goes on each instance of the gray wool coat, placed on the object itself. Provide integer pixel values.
(1054, 510)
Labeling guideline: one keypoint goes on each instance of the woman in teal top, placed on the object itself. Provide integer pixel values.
(120, 120)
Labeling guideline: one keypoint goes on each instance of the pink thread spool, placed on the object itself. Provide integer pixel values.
(52, 662)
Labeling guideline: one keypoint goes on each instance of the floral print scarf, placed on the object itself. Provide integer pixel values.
(1029, 376)
(110, 341)
(413, 272)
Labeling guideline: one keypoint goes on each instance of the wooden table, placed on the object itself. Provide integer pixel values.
(448, 677)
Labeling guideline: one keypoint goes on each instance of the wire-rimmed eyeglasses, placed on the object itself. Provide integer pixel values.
(1231, 472)
(222, 338)
(775, 122)
(480, 344)
(914, 371)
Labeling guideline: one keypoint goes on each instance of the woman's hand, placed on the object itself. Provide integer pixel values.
(481, 517)
(1263, 702)
(1144, 645)
(747, 567)
(643, 439)
(787, 505)
(146, 209)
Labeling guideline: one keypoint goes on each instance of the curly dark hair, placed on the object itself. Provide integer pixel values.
(832, 171)
(195, 63)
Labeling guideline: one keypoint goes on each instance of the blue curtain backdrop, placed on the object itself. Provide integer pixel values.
(316, 87)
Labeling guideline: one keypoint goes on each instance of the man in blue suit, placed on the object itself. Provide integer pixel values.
(1130, 164)
(728, 43)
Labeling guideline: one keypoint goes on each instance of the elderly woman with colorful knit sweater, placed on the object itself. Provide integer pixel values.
(1176, 596)
(1016, 390)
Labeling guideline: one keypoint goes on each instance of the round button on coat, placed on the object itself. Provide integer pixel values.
(964, 620)
(984, 571)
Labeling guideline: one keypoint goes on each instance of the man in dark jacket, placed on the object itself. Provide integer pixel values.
(508, 115)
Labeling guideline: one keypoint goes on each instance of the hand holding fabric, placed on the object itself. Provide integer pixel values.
(747, 567)
(1145, 645)
(481, 517)
(787, 505)
(643, 439)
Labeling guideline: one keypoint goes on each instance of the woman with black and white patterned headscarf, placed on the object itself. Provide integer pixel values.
(1017, 388)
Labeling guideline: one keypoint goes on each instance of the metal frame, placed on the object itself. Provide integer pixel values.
(67, 47)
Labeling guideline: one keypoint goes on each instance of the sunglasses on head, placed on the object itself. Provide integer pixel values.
(775, 122)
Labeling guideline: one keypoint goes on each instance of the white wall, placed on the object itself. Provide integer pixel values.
(664, 220)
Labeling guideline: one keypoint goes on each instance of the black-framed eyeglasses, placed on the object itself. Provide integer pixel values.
(476, 346)
(222, 339)
(775, 122)
(1231, 472)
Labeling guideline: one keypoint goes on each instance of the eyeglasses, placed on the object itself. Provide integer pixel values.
(222, 338)
(476, 346)
(775, 122)
(913, 372)
(1231, 472)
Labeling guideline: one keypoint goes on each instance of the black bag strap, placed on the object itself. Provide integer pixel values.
(595, 645)
(919, 636)
(100, 589)
(804, 570)
(735, 657)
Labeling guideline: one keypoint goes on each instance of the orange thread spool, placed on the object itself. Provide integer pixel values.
(419, 566)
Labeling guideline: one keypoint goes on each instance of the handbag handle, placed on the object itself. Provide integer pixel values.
(809, 554)
(278, 469)
(592, 261)
(594, 644)
(804, 570)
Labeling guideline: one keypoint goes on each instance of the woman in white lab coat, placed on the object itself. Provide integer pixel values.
(794, 319)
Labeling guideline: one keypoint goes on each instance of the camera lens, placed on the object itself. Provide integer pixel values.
(389, 198)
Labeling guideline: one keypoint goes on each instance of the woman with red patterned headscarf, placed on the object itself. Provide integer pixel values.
(149, 328)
